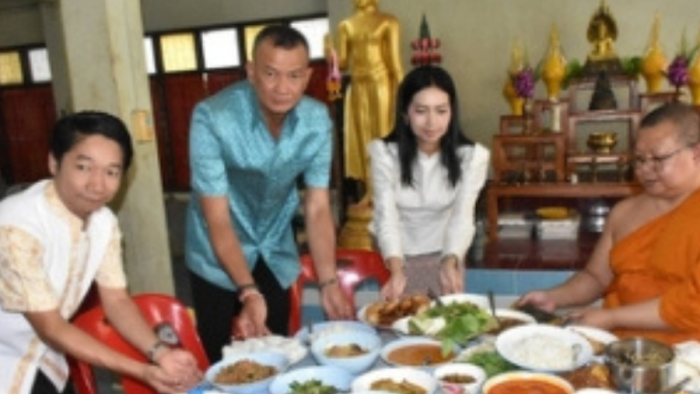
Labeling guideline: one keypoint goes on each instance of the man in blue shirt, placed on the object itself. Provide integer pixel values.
(248, 145)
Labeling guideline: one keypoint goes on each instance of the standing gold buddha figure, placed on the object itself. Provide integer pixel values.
(368, 47)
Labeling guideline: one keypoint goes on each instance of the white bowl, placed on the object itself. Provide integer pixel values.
(504, 313)
(363, 383)
(412, 342)
(595, 334)
(594, 390)
(328, 375)
(476, 372)
(276, 360)
(477, 299)
(544, 348)
(526, 376)
(371, 342)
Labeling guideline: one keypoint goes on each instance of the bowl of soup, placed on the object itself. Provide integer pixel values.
(459, 378)
(526, 382)
(417, 352)
(354, 352)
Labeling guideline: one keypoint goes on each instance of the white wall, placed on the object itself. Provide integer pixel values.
(477, 35)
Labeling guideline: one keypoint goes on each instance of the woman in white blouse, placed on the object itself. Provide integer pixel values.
(426, 178)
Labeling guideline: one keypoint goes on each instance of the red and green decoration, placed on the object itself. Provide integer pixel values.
(425, 48)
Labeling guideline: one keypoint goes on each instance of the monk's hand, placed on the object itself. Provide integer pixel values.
(183, 365)
(394, 287)
(539, 299)
(451, 275)
(592, 317)
(335, 303)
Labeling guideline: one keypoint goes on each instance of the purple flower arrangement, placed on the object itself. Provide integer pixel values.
(524, 82)
(677, 72)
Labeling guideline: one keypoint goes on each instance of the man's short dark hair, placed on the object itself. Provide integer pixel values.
(281, 36)
(684, 116)
(73, 128)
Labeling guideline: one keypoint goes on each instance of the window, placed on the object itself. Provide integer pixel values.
(315, 31)
(39, 65)
(220, 48)
(11, 68)
(178, 52)
(149, 55)
(250, 33)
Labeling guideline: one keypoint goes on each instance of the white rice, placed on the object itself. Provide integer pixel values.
(543, 352)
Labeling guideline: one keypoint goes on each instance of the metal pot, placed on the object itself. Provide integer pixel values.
(640, 365)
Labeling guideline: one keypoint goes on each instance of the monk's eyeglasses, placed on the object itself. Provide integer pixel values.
(658, 161)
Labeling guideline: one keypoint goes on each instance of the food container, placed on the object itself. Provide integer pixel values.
(526, 382)
(640, 365)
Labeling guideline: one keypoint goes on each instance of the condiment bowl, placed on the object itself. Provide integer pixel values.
(640, 365)
(369, 342)
(443, 373)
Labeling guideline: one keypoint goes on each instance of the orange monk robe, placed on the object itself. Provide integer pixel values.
(662, 259)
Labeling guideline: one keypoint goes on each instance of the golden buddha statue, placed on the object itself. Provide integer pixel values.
(602, 33)
(368, 47)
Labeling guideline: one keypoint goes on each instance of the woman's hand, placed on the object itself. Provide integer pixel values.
(394, 287)
(451, 275)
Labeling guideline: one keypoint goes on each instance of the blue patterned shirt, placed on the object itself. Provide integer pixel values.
(232, 153)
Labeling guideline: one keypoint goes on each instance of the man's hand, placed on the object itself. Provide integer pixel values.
(593, 317)
(182, 365)
(335, 303)
(251, 321)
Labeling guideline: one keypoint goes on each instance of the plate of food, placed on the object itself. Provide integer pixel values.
(544, 348)
(598, 338)
(507, 318)
(292, 348)
(382, 314)
(477, 299)
(329, 327)
(314, 379)
(395, 380)
(246, 373)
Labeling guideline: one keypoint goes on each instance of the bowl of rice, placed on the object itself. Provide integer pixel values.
(544, 348)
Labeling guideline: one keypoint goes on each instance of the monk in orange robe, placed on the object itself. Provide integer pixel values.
(646, 264)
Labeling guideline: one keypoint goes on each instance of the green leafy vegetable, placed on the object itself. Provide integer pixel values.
(491, 362)
(313, 386)
(462, 322)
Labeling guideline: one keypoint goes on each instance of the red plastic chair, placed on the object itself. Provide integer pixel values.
(156, 308)
(353, 268)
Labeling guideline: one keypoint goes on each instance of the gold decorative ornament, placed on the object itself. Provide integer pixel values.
(654, 63)
(554, 69)
(602, 142)
(517, 63)
(694, 75)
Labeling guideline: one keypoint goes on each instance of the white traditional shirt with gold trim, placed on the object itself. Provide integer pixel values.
(48, 260)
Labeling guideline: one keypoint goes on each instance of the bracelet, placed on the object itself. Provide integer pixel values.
(242, 288)
(245, 295)
(151, 353)
(327, 282)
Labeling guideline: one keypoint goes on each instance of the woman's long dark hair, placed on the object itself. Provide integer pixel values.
(418, 79)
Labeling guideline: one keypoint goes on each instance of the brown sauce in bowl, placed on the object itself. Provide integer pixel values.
(419, 354)
(526, 386)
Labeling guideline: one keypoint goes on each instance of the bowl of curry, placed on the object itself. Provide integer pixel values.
(526, 382)
(416, 352)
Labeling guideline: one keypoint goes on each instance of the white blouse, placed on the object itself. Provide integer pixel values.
(432, 216)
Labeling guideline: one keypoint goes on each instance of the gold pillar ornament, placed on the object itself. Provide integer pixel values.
(517, 63)
(654, 62)
(554, 68)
